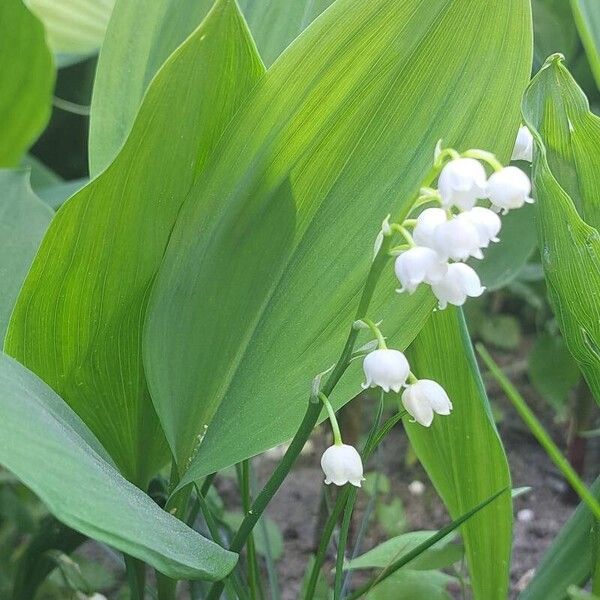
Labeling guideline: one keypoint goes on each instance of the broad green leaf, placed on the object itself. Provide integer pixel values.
(586, 14)
(443, 554)
(148, 32)
(89, 284)
(26, 81)
(24, 219)
(503, 261)
(51, 450)
(565, 179)
(462, 453)
(413, 585)
(73, 26)
(552, 370)
(568, 560)
(261, 277)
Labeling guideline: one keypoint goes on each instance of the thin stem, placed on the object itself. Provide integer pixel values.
(253, 576)
(136, 576)
(345, 527)
(376, 332)
(232, 581)
(485, 156)
(401, 229)
(373, 441)
(337, 436)
(540, 433)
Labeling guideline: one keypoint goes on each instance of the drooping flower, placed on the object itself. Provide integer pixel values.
(342, 464)
(487, 223)
(461, 183)
(459, 283)
(427, 221)
(424, 398)
(523, 149)
(418, 265)
(508, 189)
(385, 368)
(457, 238)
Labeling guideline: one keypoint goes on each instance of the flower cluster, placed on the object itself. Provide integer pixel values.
(443, 237)
(446, 236)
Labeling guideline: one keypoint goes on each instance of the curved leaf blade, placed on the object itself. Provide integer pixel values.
(50, 449)
(565, 180)
(89, 284)
(26, 81)
(245, 312)
(462, 453)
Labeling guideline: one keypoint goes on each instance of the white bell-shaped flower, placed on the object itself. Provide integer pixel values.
(342, 464)
(418, 265)
(427, 221)
(487, 223)
(523, 149)
(385, 368)
(461, 183)
(509, 188)
(424, 398)
(459, 283)
(458, 239)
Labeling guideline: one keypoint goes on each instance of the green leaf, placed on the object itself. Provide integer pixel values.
(148, 32)
(73, 26)
(552, 370)
(413, 585)
(268, 539)
(587, 19)
(462, 453)
(24, 220)
(565, 179)
(503, 261)
(442, 554)
(80, 486)
(100, 256)
(568, 561)
(26, 81)
(553, 30)
(502, 331)
(243, 316)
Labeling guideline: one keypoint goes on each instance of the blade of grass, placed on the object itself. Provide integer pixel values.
(442, 533)
(540, 433)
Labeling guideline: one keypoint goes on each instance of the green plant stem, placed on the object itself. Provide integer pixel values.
(540, 433)
(337, 436)
(232, 583)
(310, 417)
(404, 560)
(345, 494)
(253, 575)
(136, 576)
(595, 533)
(376, 332)
(347, 519)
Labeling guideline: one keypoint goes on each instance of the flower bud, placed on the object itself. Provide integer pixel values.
(460, 282)
(509, 188)
(418, 265)
(487, 223)
(427, 221)
(457, 238)
(385, 368)
(523, 149)
(424, 398)
(342, 464)
(461, 182)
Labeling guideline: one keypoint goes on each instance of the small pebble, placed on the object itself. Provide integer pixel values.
(416, 488)
(525, 515)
